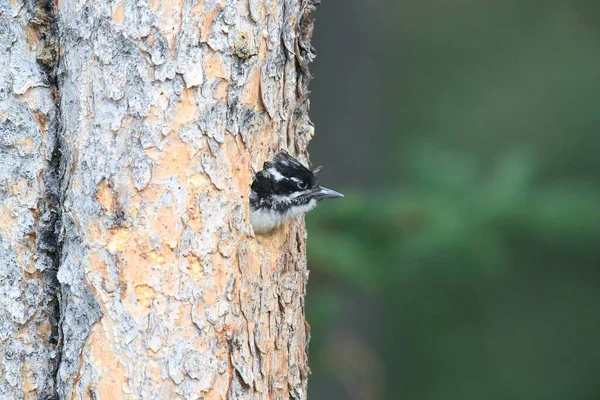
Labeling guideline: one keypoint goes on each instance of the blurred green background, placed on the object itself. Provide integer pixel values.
(463, 262)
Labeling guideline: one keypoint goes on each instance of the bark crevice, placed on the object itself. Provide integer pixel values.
(49, 223)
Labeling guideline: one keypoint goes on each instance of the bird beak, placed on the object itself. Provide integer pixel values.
(323, 193)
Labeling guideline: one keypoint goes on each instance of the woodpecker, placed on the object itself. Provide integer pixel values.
(282, 190)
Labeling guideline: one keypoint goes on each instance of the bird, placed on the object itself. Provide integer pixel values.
(284, 189)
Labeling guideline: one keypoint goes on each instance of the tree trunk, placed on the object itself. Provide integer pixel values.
(165, 110)
(28, 204)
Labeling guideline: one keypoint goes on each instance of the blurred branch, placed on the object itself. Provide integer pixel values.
(452, 215)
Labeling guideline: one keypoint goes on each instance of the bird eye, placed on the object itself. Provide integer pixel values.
(302, 185)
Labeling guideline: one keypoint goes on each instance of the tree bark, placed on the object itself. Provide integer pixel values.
(165, 110)
(28, 203)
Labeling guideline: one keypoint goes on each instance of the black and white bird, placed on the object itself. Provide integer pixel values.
(283, 190)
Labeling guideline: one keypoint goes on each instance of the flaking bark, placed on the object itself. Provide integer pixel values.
(29, 203)
(168, 108)
(129, 133)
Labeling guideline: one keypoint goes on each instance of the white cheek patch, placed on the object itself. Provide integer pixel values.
(275, 174)
(297, 211)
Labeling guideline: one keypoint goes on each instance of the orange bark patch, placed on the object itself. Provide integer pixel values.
(25, 255)
(118, 239)
(214, 67)
(152, 193)
(176, 160)
(32, 36)
(273, 241)
(209, 295)
(169, 21)
(240, 162)
(40, 117)
(143, 265)
(167, 224)
(27, 145)
(170, 279)
(44, 330)
(76, 183)
(221, 91)
(207, 23)
(105, 197)
(221, 272)
(153, 153)
(134, 269)
(97, 265)
(197, 183)
(171, 39)
(188, 329)
(29, 385)
(118, 13)
(95, 233)
(185, 111)
(220, 386)
(5, 223)
(145, 294)
(112, 374)
(151, 39)
(199, 180)
(262, 46)
(195, 270)
(18, 187)
(254, 258)
(251, 95)
(96, 261)
(133, 207)
(193, 209)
